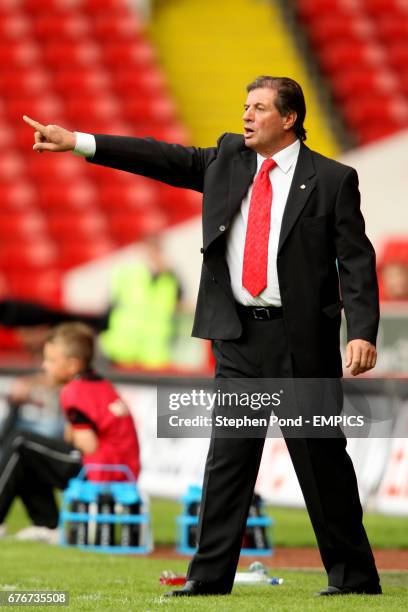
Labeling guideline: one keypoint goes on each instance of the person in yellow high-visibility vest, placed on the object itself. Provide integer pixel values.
(141, 321)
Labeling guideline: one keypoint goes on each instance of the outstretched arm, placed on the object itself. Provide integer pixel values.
(173, 164)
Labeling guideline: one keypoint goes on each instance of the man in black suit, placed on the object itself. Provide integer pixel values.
(282, 236)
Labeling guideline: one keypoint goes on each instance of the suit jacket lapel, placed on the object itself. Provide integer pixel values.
(303, 183)
(242, 174)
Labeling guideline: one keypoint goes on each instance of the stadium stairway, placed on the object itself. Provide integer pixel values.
(210, 50)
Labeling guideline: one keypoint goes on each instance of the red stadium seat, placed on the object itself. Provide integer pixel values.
(70, 81)
(133, 197)
(24, 254)
(17, 195)
(19, 53)
(128, 228)
(373, 132)
(105, 108)
(132, 54)
(66, 227)
(59, 54)
(398, 55)
(354, 82)
(45, 107)
(14, 25)
(59, 26)
(393, 29)
(26, 224)
(76, 253)
(352, 53)
(382, 8)
(68, 195)
(42, 6)
(362, 111)
(159, 110)
(111, 7)
(109, 27)
(12, 165)
(46, 168)
(310, 9)
(24, 82)
(331, 28)
(131, 82)
(39, 286)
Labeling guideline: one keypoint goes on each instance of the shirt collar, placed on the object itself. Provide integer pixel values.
(285, 158)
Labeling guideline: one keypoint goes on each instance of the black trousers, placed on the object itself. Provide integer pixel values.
(31, 467)
(323, 467)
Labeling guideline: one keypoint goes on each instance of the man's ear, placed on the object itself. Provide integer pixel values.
(289, 120)
(75, 365)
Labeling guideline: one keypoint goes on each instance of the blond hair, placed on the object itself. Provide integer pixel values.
(77, 340)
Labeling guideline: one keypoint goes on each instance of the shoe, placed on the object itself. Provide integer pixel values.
(192, 588)
(368, 589)
(35, 533)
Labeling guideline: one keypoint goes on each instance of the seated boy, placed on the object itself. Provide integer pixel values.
(100, 430)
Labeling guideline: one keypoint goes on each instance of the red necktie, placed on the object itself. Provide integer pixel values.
(255, 266)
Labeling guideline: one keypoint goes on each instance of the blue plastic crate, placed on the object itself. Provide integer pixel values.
(186, 521)
(124, 493)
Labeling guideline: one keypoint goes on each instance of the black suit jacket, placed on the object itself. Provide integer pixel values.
(324, 257)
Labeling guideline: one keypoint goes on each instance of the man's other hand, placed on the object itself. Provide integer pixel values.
(51, 137)
(361, 356)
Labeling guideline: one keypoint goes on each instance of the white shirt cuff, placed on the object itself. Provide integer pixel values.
(85, 144)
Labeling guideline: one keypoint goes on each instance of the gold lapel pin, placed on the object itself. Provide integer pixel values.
(303, 186)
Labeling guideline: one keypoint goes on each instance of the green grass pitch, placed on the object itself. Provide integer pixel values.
(112, 582)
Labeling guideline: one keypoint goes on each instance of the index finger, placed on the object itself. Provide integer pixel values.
(34, 124)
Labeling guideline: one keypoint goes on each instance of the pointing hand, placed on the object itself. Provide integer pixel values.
(51, 137)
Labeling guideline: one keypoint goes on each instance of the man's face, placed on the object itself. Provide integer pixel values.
(264, 127)
(58, 367)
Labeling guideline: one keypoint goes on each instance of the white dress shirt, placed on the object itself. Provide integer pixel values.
(281, 178)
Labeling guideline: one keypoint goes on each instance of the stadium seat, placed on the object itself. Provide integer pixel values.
(44, 107)
(131, 82)
(332, 27)
(68, 195)
(108, 27)
(14, 25)
(159, 110)
(25, 224)
(129, 228)
(310, 9)
(70, 81)
(392, 28)
(61, 25)
(383, 8)
(18, 195)
(12, 165)
(354, 82)
(66, 227)
(27, 255)
(19, 53)
(24, 81)
(351, 53)
(398, 55)
(39, 286)
(363, 111)
(133, 54)
(59, 54)
(73, 254)
(137, 195)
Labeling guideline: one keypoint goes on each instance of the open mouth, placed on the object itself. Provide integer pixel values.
(248, 131)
